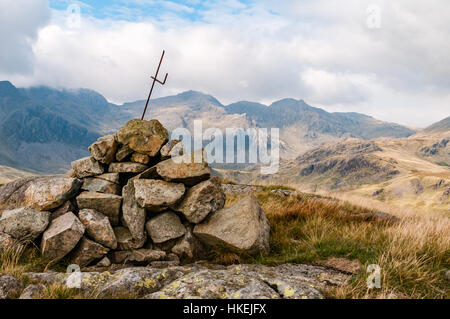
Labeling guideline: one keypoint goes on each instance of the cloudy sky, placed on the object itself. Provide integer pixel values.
(389, 59)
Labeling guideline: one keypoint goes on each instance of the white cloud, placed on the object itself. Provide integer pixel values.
(319, 51)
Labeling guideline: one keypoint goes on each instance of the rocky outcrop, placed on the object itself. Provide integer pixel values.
(242, 228)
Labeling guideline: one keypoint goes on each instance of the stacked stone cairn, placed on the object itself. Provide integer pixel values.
(139, 199)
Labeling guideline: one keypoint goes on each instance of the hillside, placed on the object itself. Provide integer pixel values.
(43, 129)
(441, 126)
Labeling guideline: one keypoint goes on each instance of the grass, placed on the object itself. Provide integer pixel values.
(413, 254)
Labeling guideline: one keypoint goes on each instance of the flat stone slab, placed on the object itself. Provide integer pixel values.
(105, 183)
(127, 167)
(107, 204)
(164, 227)
(157, 195)
(86, 167)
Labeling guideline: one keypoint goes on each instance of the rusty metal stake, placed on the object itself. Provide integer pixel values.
(155, 79)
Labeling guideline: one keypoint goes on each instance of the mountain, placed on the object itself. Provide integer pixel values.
(441, 126)
(43, 129)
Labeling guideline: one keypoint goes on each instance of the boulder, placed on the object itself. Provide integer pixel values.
(242, 228)
(104, 149)
(139, 256)
(47, 194)
(188, 169)
(126, 167)
(10, 287)
(86, 252)
(105, 183)
(164, 227)
(145, 137)
(157, 195)
(98, 227)
(166, 150)
(107, 204)
(201, 200)
(32, 292)
(133, 216)
(140, 158)
(125, 240)
(61, 237)
(12, 195)
(24, 223)
(68, 206)
(123, 152)
(86, 167)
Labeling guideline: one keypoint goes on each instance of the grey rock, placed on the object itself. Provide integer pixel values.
(188, 169)
(98, 227)
(156, 195)
(86, 252)
(86, 167)
(10, 287)
(125, 240)
(104, 149)
(189, 248)
(139, 256)
(164, 227)
(32, 291)
(201, 200)
(107, 204)
(61, 237)
(24, 223)
(242, 228)
(68, 206)
(105, 183)
(133, 216)
(127, 167)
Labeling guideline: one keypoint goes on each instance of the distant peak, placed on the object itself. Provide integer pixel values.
(6, 84)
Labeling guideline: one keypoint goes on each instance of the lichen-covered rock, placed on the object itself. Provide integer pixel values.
(86, 252)
(125, 240)
(12, 195)
(127, 167)
(107, 204)
(140, 158)
(123, 152)
(10, 287)
(188, 169)
(98, 227)
(145, 137)
(164, 227)
(157, 195)
(24, 223)
(104, 149)
(242, 228)
(61, 237)
(133, 216)
(139, 256)
(47, 194)
(105, 183)
(32, 291)
(201, 200)
(86, 167)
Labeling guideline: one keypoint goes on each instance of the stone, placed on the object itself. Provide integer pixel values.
(164, 263)
(6, 241)
(24, 223)
(188, 169)
(139, 256)
(107, 204)
(61, 237)
(127, 167)
(104, 149)
(105, 262)
(342, 264)
(86, 167)
(164, 227)
(105, 183)
(145, 137)
(98, 227)
(125, 240)
(133, 216)
(189, 248)
(32, 292)
(47, 194)
(140, 158)
(166, 150)
(201, 200)
(86, 252)
(157, 195)
(123, 152)
(10, 287)
(68, 206)
(242, 228)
